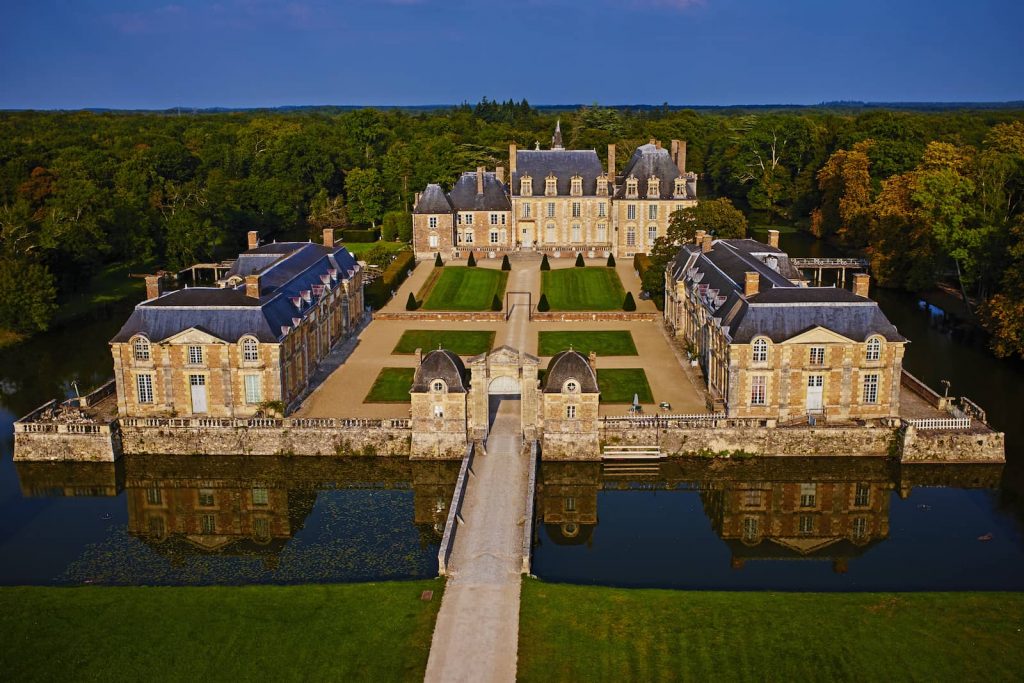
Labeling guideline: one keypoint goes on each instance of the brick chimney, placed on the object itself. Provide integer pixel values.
(254, 239)
(511, 159)
(861, 284)
(678, 155)
(154, 286)
(751, 283)
(480, 170)
(700, 236)
(773, 238)
(499, 173)
(611, 164)
(705, 244)
(252, 286)
(329, 237)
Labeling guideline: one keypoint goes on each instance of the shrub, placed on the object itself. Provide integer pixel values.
(505, 265)
(543, 306)
(641, 264)
(360, 235)
(629, 304)
(544, 265)
(495, 303)
(611, 260)
(472, 261)
(411, 304)
(379, 291)
(437, 260)
(397, 225)
(580, 263)
(379, 255)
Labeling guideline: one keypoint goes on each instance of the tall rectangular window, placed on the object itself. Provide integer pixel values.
(526, 210)
(494, 219)
(860, 527)
(253, 389)
(652, 212)
(602, 232)
(806, 524)
(260, 496)
(817, 355)
(432, 221)
(871, 388)
(551, 209)
(494, 236)
(576, 209)
(758, 390)
(575, 232)
(602, 210)
(261, 528)
(862, 496)
(208, 524)
(206, 499)
(144, 384)
(752, 498)
(652, 234)
(570, 504)
(468, 220)
(570, 412)
(195, 355)
(750, 528)
(154, 496)
(631, 212)
(808, 495)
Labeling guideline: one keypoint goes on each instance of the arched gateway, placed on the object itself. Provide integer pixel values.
(503, 372)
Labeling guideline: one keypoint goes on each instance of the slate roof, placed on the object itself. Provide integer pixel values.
(780, 310)
(646, 161)
(564, 163)
(228, 314)
(444, 365)
(433, 200)
(568, 365)
(463, 196)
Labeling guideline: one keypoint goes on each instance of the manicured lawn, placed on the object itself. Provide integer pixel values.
(603, 343)
(391, 386)
(618, 385)
(360, 248)
(583, 289)
(462, 342)
(460, 288)
(374, 632)
(588, 633)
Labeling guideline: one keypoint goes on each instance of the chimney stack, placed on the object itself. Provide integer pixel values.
(861, 284)
(511, 160)
(329, 237)
(611, 164)
(480, 170)
(681, 157)
(773, 238)
(499, 173)
(254, 239)
(252, 286)
(705, 245)
(154, 286)
(751, 283)
(416, 199)
(700, 236)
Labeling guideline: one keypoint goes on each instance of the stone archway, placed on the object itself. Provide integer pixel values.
(502, 372)
(504, 385)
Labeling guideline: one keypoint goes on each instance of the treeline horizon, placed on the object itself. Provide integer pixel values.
(930, 195)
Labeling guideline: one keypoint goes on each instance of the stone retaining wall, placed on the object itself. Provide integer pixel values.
(451, 316)
(99, 446)
(380, 441)
(574, 316)
(952, 446)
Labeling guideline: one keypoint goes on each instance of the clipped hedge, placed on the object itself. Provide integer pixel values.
(641, 264)
(360, 235)
(379, 291)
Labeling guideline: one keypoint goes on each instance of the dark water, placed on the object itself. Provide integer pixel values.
(921, 527)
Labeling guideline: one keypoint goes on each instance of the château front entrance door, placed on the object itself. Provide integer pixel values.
(198, 385)
(815, 392)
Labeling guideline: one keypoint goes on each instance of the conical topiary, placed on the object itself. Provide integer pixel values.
(544, 265)
(410, 303)
(629, 304)
(505, 265)
(472, 261)
(495, 303)
(611, 260)
(437, 260)
(579, 260)
(543, 305)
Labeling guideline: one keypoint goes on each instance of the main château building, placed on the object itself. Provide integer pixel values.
(557, 200)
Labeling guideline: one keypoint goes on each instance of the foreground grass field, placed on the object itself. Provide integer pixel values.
(603, 343)
(391, 386)
(587, 633)
(378, 631)
(619, 384)
(462, 342)
(583, 289)
(460, 288)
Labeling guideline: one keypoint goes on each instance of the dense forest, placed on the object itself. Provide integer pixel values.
(930, 196)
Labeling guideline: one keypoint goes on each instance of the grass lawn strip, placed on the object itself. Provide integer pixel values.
(619, 384)
(589, 633)
(391, 386)
(601, 342)
(461, 288)
(583, 289)
(335, 632)
(461, 342)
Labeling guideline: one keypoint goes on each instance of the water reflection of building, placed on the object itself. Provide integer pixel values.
(68, 479)
(826, 509)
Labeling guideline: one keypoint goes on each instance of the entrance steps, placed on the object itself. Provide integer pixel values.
(632, 453)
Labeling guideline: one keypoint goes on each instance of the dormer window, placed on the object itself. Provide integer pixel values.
(140, 349)
(602, 185)
(526, 186)
(632, 187)
(576, 189)
(653, 187)
(570, 387)
(551, 186)
(874, 349)
(250, 350)
(679, 191)
(437, 386)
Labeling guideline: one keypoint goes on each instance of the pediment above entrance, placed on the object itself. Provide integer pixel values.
(505, 355)
(193, 335)
(818, 335)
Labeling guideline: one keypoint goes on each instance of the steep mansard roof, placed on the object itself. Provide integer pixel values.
(463, 196)
(570, 365)
(228, 314)
(433, 200)
(443, 365)
(780, 310)
(646, 161)
(564, 163)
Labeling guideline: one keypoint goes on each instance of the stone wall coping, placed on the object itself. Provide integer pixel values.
(266, 423)
(444, 553)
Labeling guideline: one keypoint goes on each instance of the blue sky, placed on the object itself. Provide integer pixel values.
(239, 53)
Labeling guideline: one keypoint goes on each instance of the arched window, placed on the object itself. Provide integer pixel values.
(874, 350)
(140, 348)
(437, 386)
(250, 350)
(570, 387)
(760, 351)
